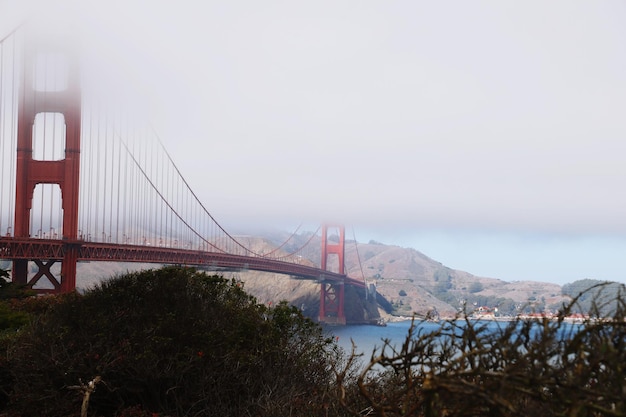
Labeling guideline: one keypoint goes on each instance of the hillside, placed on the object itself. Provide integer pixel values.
(413, 282)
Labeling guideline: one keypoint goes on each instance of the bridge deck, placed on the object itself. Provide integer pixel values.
(54, 249)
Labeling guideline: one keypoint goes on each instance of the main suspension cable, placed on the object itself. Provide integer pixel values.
(211, 216)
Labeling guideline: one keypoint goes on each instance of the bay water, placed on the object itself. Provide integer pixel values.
(368, 337)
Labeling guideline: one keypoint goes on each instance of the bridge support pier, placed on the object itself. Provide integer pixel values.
(19, 271)
(65, 172)
(332, 293)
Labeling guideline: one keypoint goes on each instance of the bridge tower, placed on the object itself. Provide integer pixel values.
(332, 293)
(66, 101)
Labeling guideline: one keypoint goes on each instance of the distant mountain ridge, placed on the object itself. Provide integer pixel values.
(413, 282)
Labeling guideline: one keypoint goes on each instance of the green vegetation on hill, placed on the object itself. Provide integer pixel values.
(596, 297)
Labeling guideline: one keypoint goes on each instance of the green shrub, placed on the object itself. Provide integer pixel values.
(171, 341)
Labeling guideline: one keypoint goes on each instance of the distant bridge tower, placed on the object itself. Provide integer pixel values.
(64, 98)
(332, 294)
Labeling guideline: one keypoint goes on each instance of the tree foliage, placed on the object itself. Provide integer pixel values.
(171, 341)
(12, 296)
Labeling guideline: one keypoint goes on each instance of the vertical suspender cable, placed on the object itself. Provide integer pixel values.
(84, 121)
(120, 191)
(162, 206)
(184, 210)
(163, 221)
(146, 216)
(105, 176)
(132, 195)
(14, 100)
(168, 214)
(192, 214)
(158, 205)
(112, 179)
(42, 137)
(86, 165)
(92, 185)
(153, 205)
(124, 184)
(96, 211)
(143, 220)
(142, 202)
(159, 180)
(138, 210)
(52, 153)
(3, 154)
(23, 98)
(150, 206)
(135, 193)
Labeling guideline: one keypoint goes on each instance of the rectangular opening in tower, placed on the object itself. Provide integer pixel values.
(49, 137)
(46, 220)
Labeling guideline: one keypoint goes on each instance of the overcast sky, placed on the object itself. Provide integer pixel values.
(489, 135)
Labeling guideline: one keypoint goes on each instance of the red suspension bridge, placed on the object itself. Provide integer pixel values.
(81, 180)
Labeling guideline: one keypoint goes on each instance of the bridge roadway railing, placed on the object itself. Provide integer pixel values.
(54, 249)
